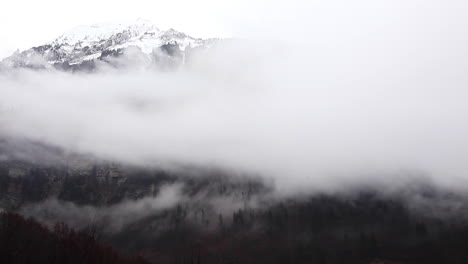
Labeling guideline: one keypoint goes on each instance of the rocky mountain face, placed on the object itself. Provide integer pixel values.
(84, 47)
(99, 183)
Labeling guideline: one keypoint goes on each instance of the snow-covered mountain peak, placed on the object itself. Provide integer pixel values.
(84, 44)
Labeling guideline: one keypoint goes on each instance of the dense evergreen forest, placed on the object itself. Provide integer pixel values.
(27, 241)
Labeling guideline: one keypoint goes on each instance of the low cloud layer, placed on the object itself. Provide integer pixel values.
(340, 104)
(113, 218)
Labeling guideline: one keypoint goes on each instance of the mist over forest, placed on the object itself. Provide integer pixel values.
(326, 132)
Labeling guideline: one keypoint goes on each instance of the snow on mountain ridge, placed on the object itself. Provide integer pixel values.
(96, 32)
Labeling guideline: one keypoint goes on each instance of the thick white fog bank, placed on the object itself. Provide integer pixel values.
(333, 102)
